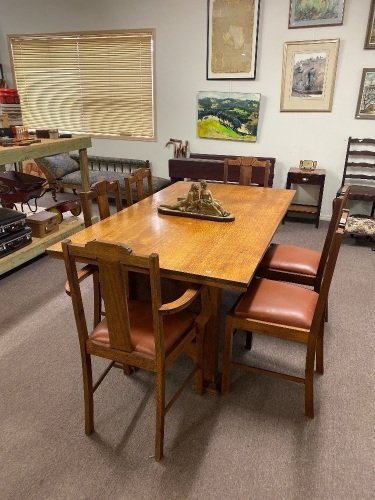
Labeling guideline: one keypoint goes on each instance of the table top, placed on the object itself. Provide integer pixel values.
(315, 171)
(221, 254)
(46, 147)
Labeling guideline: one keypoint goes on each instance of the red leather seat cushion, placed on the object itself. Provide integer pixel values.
(292, 259)
(142, 332)
(278, 302)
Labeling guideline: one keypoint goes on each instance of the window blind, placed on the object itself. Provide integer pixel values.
(95, 83)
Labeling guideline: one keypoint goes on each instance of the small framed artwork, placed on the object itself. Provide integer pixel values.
(370, 34)
(309, 73)
(307, 165)
(366, 97)
(232, 37)
(228, 115)
(313, 13)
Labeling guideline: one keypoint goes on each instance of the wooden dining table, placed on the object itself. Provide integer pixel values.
(221, 255)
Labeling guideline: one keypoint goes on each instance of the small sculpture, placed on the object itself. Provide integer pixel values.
(199, 204)
(180, 151)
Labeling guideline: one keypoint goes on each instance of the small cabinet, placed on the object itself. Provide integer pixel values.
(304, 177)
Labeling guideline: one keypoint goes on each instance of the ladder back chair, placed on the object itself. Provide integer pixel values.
(359, 170)
(286, 311)
(246, 166)
(138, 180)
(150, 335)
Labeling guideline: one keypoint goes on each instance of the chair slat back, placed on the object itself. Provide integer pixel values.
(339, 204)
(100, 192)
(114, 262)
(138, 179)
(246, 166)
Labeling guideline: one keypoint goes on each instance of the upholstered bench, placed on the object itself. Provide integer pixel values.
(359, 225)
(63, 171)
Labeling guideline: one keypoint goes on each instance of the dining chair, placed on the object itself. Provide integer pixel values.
(99, 192)
(246, 167)
(286, 311)
(149, 335)
(136, 182)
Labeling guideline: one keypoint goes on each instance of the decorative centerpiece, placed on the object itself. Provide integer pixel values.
(198, 204)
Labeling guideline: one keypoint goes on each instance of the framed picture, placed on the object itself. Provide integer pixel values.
(232, 36)
(309, 13)
(309, 72)
(370, 35)
(366, 97)
(228, 115)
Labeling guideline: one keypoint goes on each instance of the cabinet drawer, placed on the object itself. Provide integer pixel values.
(305, 178)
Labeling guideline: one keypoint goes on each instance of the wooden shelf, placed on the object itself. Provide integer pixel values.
(38, 246)
(307, 209)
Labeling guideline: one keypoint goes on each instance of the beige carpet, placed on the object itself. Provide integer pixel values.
(254, 443)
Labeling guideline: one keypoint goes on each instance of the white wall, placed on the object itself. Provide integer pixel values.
(181, 31)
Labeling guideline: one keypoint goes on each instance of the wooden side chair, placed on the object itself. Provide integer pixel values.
(147, 335)
(286, 311)
(99, 192)
(138, 179)
(246, 167)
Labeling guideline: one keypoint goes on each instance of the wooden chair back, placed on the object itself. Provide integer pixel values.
(245, 165)
(100, 192)
(138, 178)
(359, 170)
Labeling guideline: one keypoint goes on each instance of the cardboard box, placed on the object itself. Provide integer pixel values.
(42, 224)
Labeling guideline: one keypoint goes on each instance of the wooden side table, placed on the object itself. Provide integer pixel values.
(312, 178)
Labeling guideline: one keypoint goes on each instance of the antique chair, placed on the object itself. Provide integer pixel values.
(99, 192)
(136, 183)
(359, 171)
(245, 165)
(144, 334)
(286, 311)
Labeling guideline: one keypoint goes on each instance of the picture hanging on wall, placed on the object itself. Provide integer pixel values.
(228, 115)
(313, 13)
(370, 35)
(232, 36)
(309, 72)
(366, 97)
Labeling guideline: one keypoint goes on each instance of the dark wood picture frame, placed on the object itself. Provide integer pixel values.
(370, 33)
(366, 97)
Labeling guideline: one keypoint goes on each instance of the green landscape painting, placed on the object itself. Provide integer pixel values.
(228, 115)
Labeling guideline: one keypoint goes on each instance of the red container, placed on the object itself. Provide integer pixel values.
(9, 96)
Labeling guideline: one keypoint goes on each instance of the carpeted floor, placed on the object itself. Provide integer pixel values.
(254, 443)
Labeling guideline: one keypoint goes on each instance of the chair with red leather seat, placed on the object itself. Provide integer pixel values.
(286, 311)
(147, 334)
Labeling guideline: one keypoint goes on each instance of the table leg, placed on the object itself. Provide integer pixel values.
(211, 344)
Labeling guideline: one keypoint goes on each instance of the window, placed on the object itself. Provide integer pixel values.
(100, 83)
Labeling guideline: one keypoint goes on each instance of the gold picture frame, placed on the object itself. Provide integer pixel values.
(307, 164)
(370, 33)
(232, 38)
(309, 73)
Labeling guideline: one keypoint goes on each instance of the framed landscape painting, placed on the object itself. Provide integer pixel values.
(309, 13)
(370, 35)
(228, 115)
(232, 37)
(366, 97)
(309, 72)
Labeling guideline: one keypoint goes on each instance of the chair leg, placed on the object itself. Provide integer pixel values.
(249, 341)
(309, 379)
(160, 413)
(320, 350)
(227, 355)
(88, 394)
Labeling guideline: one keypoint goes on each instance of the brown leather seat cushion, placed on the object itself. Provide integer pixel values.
(142, 333)
(278, 302)
(292, 259)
